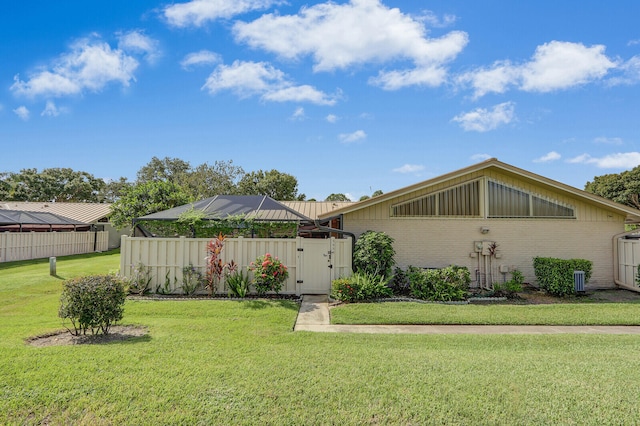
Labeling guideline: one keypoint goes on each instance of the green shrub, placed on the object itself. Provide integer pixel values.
(192, 280)
(400, 282)
(374, 253)
(92, 303)
(556, 275)
(238, 284)
(269, 273)
(140, 279)
(441, 285)
(166, 287)
(510, 288)
(359, 287)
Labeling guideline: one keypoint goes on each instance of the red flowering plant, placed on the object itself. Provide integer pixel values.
(269, 273)
(215, 265)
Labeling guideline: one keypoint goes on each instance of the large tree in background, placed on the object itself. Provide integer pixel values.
(375, 194)
(623, 188)
(166, 170)
(277, 185)
(114, 189)
(203, 181)
(337, 197)
(207, 180)
(54, 184)
(146, 198)
(5, 187)
(200, 182)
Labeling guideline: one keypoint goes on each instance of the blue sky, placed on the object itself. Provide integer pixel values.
(348, 96)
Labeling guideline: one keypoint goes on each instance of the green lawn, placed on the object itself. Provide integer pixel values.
(432, 313)
(223, 362)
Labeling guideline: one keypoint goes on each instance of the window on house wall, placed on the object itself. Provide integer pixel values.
(462, 200)
(505, 201)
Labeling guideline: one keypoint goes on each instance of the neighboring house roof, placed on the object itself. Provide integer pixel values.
(82, 212)
(314, 209)
(17, 219)
(257, 207)
(632, 215)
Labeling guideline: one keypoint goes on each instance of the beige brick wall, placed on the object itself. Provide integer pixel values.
(434, 242)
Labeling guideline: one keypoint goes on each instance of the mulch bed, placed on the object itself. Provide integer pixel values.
(117, 333)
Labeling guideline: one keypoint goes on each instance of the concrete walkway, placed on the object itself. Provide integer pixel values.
(314, 316)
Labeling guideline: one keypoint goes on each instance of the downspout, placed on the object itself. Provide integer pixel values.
(616, 262)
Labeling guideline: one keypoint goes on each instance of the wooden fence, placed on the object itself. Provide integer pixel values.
(312, 263)
(16, 246)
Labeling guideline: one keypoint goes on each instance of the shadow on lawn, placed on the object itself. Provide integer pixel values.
(264, 304)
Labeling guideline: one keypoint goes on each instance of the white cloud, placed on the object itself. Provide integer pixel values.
(304, 93)
(22, 112)
(261, 79)
(423, 76)
(203, 57)
(483, 120)
(198, 12)
(51, 110)
(629, 73)
(554, 66)
(495, 79)
(90, 65)
(435, 21)
(409, 168)
(559, 65)
(550, 156)
(340, 36)
(621, 160)
(633, 42)
(138, 42)
(480, 157)
(356, 136)
(298, 114)
(608, 141)
(331, 118)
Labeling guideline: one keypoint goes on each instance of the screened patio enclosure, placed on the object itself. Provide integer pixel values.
(233, 215)
(24, 221)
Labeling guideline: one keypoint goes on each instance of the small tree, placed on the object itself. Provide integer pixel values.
(374, 254)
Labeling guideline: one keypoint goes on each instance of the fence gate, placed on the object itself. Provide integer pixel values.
(316, 259)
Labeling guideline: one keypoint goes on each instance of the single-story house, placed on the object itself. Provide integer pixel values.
(92, 213)
(493, 218)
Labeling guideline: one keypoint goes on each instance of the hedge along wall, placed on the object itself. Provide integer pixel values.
(556, 275)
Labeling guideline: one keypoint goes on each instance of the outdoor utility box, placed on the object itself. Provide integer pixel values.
(483, 247)
(578, 280)
(486, 247)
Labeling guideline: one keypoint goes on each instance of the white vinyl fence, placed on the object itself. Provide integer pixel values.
(36, 245)
(312, 263)
(628, 261)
